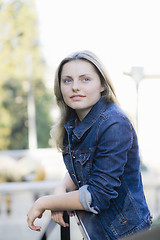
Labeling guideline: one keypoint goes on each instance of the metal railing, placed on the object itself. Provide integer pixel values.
(88, 223)
(37, 189)
(64, 232)
(91, 229)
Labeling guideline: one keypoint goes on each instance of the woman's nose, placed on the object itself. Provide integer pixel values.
(75, 86)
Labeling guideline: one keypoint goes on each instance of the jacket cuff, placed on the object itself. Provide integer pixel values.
(86, 200)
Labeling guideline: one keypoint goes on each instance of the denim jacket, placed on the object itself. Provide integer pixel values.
(103, 162)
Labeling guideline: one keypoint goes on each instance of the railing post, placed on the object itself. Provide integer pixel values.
(65, 231)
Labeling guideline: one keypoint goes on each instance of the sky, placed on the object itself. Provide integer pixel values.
(123, 34)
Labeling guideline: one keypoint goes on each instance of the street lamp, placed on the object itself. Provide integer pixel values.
(32, 134)
(137, 73)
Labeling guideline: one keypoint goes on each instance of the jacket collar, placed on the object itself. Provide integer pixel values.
(89, 119)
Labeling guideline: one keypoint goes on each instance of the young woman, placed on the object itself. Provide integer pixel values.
(100, 151)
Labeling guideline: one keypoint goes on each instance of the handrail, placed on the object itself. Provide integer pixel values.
(91, 229)
(39, 187)
(89, 225)
(65, 232)
(36, 186)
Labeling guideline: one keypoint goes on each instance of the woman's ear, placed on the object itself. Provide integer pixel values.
(103, 88)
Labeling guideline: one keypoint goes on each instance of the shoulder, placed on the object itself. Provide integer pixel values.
(114, 114)
(113, 109)
(115, 127)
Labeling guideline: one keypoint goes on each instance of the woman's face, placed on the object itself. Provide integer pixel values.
(80, 86)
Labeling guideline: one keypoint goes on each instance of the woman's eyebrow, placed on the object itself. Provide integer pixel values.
(86, 74)
(82, 75)
(66, 76)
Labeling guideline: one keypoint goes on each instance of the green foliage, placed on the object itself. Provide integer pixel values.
(18, 40)
(15, 101)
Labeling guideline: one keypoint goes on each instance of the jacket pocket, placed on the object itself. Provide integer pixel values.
(83, 166)
(83, 158)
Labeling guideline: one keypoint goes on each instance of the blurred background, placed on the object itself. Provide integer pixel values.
(34, 37)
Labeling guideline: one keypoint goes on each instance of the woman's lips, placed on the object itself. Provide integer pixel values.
(77, 97)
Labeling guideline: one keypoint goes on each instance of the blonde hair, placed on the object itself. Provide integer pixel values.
(58, 130)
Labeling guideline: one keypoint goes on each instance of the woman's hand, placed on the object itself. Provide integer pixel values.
(35, 212)
(58, 218)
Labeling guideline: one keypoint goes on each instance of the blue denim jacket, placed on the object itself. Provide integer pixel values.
(103, 162)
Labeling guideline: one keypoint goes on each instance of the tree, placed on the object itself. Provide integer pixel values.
(18, 39)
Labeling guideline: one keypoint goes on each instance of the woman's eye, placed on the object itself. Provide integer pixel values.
(67, 80)
(85, 79)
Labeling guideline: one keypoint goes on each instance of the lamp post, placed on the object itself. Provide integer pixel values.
(32, 134)
(137, 73)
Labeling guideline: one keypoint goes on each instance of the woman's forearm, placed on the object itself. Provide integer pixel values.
(66, 197)
(67, 201)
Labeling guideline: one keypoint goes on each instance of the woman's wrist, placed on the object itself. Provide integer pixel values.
(40, 203)
(49, 202)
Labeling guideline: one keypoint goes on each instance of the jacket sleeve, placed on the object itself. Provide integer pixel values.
(114, 140)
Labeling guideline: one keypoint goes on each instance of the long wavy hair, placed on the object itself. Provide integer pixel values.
(58, 130)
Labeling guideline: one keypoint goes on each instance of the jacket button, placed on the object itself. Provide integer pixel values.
(74, 157)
